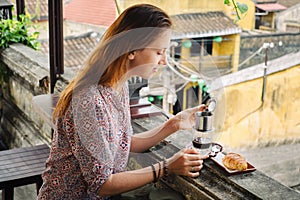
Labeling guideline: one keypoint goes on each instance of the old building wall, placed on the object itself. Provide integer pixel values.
(284, 43)
(289, 19)
(249, 121)
(191, 6)
(24, 74)
(230, 46)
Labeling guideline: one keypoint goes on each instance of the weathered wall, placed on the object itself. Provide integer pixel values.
(230, 46)
(251, 43)
(22, 69)
(289, 17)
(251, 122)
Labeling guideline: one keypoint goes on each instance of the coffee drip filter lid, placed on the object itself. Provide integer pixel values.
(211, 105)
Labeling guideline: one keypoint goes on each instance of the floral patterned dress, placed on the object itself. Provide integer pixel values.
(91, 142)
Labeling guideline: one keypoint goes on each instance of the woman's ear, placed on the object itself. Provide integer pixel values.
(131, 55)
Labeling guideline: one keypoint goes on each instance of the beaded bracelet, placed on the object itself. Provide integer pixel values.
(165, 167)
(154, 174)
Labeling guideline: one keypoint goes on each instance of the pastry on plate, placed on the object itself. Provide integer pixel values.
(235, 161)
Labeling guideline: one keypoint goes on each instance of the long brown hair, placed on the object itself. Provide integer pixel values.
(134, 29)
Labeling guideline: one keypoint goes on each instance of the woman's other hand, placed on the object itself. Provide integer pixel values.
(186, 118)
(187, 162)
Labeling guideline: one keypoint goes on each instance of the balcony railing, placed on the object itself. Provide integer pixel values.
(5, 9)
(56, 49)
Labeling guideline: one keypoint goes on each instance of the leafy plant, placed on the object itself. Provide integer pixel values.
(240, 8)
(17, 31)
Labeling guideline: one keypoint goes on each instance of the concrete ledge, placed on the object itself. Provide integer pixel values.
(280, 162)
(18, 130)
(27, 63)
(257, 71)
(23, 69)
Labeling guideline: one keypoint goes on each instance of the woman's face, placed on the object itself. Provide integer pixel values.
(145, 62)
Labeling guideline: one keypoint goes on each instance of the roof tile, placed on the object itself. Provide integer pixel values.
(97, 12)
(192, 25)
(76, 48)
(270, 7)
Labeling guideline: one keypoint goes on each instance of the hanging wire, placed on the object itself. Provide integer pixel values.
(188, 71)
(183, 68)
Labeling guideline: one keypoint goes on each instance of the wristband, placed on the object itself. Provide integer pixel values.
(159, 169)
(154, 174)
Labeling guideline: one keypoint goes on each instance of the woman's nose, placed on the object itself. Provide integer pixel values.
(163, 60)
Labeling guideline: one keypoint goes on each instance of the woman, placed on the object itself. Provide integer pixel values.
(93, 135)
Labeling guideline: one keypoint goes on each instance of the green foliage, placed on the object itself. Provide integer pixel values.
(243, 8)
(17, 31)
(240, 8)
(227, 2)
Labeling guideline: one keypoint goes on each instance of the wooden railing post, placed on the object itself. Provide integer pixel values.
(56, 50)
(5, 10)
(20, 8)
(8, 193)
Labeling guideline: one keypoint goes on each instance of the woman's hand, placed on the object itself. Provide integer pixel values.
(186, 119)
(187, 162)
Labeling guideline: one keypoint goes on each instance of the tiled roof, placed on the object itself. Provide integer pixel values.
(270, 7)
(97, 12)
(288, 3)
(37, 9)
(76, 48)
(195, 25)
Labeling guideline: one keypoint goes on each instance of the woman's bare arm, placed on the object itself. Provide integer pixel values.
(126, 181)
(142, 141)
(184, 120)
(181, 163)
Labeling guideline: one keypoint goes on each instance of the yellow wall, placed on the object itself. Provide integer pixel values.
(230, 45)
(249, 123)
(185, 52)
(247, 20)
(173, 7)
(180, 6)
